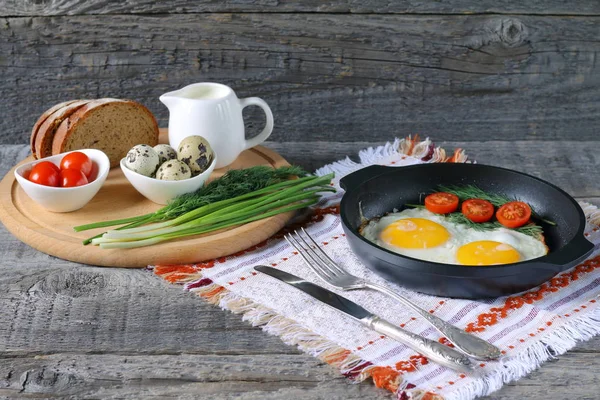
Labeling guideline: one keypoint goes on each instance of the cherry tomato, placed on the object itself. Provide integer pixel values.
(77, 160)
(478, 210)
(72, 177)
(45, 173)
(441, 203)
(514, 214)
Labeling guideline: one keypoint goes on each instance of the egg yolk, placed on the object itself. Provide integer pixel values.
(414, 233)
(487, 252)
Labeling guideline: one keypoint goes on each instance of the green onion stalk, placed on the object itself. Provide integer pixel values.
(271, 200)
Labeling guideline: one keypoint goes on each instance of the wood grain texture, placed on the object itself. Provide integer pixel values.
(193, 376)
(225, 377)
(327, 77)
(84, 332)
(77, 7)
(571, 165)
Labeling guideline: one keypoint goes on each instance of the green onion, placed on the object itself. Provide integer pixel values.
(200, 230)
(196, 216)
(234, 183)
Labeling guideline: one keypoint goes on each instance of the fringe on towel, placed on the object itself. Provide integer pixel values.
(548, 347)
(256, 314)
(424, 150)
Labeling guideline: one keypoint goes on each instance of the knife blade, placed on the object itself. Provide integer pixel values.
(433, 350)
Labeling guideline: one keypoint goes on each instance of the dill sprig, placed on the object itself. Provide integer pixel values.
(459, 218)
(473, 192)
(235, 182)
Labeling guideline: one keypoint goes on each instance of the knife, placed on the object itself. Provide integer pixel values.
(435, 351)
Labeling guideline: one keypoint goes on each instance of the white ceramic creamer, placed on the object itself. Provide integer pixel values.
(213, 111)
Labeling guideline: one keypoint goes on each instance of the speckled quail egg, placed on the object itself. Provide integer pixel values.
(173, 170)
(165, 152)
(142, 159)
(196, 152)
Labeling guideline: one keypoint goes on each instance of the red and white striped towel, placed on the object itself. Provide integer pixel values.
(529, 327)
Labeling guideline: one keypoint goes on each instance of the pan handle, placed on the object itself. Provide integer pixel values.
(578, 248)
(357, 177)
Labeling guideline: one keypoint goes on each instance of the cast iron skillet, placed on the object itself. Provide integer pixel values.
(378, 190)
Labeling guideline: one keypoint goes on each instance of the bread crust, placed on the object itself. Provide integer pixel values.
(48, 128)
(69, 125)
(41, 120)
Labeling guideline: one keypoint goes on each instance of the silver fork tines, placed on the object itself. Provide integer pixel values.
(316, 258)
(333, 274)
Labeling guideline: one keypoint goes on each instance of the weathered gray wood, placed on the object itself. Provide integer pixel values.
(223, 377)
(83, 309)
(184, 375)
(76, 7)
(332, 77)
(68, 330)
(571, 165)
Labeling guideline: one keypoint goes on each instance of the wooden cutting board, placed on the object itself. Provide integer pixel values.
(52, 233)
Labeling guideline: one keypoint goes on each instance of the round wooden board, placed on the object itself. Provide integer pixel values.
(52, 233)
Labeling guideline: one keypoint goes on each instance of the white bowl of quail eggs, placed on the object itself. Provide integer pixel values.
(161, 173)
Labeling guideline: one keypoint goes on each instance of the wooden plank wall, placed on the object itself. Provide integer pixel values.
(333, 71)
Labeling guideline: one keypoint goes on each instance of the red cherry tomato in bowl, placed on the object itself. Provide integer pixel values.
(441, 203)
(72, 178)
(514, 214)
(45, 173)
(478, 210)
(77, 160)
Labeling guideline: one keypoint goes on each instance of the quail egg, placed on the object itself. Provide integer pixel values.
(142, 159)
(173, 170)
(196, 152)
(165, 152)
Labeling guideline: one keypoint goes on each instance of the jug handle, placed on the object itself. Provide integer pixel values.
(261, 137)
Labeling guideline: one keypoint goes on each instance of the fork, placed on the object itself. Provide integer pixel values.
(334, 275)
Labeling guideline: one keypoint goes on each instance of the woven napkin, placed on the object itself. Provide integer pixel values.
(529, 327)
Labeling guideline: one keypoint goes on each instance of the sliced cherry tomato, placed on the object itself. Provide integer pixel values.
(514, 214)
(478, 210)
(441, 202)
(72, 177)
(77, 160)
(45, 173)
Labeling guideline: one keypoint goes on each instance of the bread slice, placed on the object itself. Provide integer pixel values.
(111, 125)
(42, 119)
(45, 134)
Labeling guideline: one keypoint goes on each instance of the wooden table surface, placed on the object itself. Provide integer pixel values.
(69, 330)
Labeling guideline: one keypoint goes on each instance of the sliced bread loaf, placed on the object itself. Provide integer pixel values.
(46, 132)
(43, 119)
(111, 125)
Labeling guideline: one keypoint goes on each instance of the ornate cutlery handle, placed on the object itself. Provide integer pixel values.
(435, 351)
(469, 344)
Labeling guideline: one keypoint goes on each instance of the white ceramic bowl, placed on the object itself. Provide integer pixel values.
(59, 199)
(162, 191)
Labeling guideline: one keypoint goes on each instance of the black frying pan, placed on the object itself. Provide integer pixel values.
(378, 190)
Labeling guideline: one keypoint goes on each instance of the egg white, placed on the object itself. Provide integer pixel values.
(460, 234)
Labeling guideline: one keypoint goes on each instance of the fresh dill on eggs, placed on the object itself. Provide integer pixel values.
(467, 192)
(473, 192)
(459, 218)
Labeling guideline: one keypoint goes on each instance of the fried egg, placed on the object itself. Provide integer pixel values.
(421, 234)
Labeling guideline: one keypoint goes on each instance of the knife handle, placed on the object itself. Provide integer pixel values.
(435, 351)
